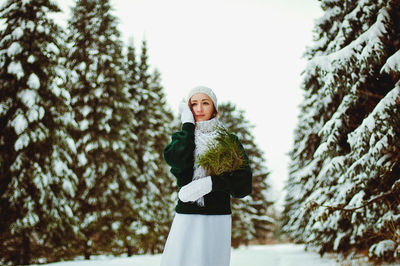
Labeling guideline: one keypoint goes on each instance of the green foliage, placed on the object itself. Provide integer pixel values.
(341, 190)
(36, 184)
(250, 215)
(224, 155)
(100, 107)
(82, 128)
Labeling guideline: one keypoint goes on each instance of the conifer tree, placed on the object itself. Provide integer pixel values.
(130, 213)
(36, 183)
(343, 187)
(100, 105)
(153, 182)
(250, 215)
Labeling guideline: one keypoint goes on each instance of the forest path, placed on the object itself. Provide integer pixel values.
(254, 255)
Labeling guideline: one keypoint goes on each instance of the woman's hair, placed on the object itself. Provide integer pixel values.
(215, 112)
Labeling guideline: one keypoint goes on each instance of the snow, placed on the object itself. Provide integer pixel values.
(14, 49)
(83, 125)
(21, 142)
(82, 66)
(5, 7)
(16, 69)
(357, 200)
(379, 112)
(68, 187)
(30, 25)
(382, 247)
(321, 150)
(364, 45)
(56, 91)
(60, 167)
(85, 110)
(143, 230)
(25, 2)
(257, 255)
(41, 29)
(387, 218)
(31, 59)
(82, 159)
(98, 92)
(116, 225)
(31, 219)
(51, 47)
(361, 229)
(17, 164)
(27, 97)
(17, 33)
(337, 240)
(392, 64)
(33, 81)
(19, 124)
(32, 114)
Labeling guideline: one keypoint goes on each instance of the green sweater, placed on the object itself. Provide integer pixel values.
(179, 154)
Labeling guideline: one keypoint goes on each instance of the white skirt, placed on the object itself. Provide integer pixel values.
(198, 240)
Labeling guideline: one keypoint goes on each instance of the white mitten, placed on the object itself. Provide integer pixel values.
(186, 113)
(195, 189)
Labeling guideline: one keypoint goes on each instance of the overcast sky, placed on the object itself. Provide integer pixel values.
(248, 51)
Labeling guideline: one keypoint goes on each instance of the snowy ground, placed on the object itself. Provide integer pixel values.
(258, 255)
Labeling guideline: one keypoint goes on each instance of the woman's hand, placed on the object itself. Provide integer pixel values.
(195, 189)
(186, 113)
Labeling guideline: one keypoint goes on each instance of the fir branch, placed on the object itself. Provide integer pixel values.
(395, 189)
(341, 207)
(370, 94)
(224, 155)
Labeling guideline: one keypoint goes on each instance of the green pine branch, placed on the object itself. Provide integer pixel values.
(224, 155)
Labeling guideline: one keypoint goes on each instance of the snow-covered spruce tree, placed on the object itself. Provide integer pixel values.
(36, 184)
(100, 104)
(343, 187)
(250, 215)
(163, 198)
(130, 212)
(154, 183)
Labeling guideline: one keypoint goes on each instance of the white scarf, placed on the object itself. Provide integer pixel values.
(204, 134)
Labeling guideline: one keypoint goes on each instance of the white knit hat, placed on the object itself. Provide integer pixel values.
(205, 90)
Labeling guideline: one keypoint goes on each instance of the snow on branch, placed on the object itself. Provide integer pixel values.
(366, 44)
(392, 64)
(369, 124)
(333, 129)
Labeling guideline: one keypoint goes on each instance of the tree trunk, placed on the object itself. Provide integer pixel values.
(87, 251)
(26, 252)
(129, 249)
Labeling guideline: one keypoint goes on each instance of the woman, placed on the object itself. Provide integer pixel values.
(200, 234)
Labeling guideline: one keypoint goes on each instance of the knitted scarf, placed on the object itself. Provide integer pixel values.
(204, 134)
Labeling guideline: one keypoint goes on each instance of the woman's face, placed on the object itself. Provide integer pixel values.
(202, 107)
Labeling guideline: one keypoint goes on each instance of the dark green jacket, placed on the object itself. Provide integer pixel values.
(179, 154)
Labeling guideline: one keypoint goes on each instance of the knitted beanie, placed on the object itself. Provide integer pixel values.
(205, 90)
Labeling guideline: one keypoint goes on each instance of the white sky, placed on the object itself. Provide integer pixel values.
(247, 51)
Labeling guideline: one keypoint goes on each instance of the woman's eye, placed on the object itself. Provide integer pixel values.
(194, 104)
(206, 103)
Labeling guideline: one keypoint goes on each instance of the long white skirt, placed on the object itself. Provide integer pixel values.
(198, 240)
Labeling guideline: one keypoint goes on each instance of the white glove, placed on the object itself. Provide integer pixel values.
(186, 113)
(195, 189)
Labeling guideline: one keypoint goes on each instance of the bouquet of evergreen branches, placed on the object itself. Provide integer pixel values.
(224, 155)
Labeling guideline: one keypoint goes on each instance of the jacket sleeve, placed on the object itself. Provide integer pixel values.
(237, 183)
(179, 152)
